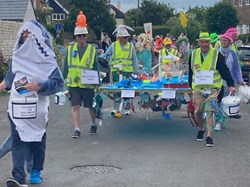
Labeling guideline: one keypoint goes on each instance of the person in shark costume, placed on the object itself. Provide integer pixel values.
(33, 57)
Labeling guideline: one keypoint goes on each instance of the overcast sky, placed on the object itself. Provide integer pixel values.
(177, 4)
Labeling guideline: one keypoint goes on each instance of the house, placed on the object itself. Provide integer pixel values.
(117, 13)
(12, 16)
(243, 12)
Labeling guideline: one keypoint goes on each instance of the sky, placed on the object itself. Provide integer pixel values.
(176, 4)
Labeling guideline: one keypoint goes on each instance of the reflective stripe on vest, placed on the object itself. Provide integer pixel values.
(209, 63)
(174, 51)
(165, 61)
(122, 55)
(76, 66)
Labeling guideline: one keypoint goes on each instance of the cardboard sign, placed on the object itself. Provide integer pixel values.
(89, 77)
(128, 93)
(24, 111)
(168, 94)
(204, 77)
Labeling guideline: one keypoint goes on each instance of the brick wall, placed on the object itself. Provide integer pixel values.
(8, 33)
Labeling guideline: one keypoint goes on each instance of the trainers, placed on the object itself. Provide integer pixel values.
(93, 130)
(209, 142)
(14, 183)
(76, 134)
(200, 135)
(113, 112)
(127, 112)
(35, 177)
(217, 127)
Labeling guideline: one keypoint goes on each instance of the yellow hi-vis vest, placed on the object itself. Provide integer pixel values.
(234, 47)
(76, 66)
(174, 51)
(209, 63)
(165, 61)
(122, 55)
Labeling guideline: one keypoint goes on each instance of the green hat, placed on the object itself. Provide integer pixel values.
(214, 37)
(204, 36)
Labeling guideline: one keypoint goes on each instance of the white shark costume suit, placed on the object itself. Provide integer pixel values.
(36, 60)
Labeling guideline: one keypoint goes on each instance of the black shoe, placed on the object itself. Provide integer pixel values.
(14, 183)
(76, 134)
(93, 130)
(209, 142)
(200, 135)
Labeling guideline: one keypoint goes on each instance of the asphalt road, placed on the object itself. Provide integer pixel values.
(134, 152)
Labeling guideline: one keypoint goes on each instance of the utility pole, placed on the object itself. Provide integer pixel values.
(138, 4)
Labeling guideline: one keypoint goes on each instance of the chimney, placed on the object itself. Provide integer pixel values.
(119, 5)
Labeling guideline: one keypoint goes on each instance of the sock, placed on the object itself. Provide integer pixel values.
(77, 128)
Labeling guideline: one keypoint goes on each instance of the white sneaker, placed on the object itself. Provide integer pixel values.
(113, 112)
(127, 112)
(217, 127)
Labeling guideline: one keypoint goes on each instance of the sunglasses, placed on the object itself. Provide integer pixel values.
(81, 35)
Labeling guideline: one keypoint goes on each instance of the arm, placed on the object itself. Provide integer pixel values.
(224, 71)
(237, 69)
(65, 67)
(53, 85)
(190, 72)
(8, 79)
(135, 61)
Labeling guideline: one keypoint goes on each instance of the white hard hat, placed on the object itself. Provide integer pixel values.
(80, 30)
(122, 32)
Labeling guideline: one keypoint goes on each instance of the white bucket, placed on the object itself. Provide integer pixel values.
(60, 98)
(244, 93)
(231, 105)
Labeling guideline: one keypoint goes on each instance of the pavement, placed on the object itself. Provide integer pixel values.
(134, 152)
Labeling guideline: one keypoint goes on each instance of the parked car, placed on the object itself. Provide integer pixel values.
(244, 58)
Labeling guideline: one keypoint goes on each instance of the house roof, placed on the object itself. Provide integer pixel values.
(13, 9)
(59, 4)
(65, 4)
(118, 13)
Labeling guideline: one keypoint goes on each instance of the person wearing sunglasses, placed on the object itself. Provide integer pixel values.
(81, 60)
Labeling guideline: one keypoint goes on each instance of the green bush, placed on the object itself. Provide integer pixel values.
(244, 38)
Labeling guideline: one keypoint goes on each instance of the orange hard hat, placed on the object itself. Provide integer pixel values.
(81, 20)
(167, 41)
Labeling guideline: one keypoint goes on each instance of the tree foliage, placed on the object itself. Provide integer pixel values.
(97, 15)
(150, 11)
(220, 17)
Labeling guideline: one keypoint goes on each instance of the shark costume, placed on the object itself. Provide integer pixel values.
(33, 58)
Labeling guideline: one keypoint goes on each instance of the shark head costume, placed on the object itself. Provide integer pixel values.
(35, 59)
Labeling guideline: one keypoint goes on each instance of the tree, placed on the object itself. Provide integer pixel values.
(157, 13)
(220, 17)
(98, 17)
(133, 17)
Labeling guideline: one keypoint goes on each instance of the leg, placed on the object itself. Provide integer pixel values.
(75, 113)
(6, 146)
(38, 152)
(76, 102)
(19, 152)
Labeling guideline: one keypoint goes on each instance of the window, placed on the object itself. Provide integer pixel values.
(233, 2)
(241, 2)
(57, 16)
(247, 2)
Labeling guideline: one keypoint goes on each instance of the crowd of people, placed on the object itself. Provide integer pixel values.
(33, 57)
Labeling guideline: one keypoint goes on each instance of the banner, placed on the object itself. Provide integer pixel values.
(148, 30)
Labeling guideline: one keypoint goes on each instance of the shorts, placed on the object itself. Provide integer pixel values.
(198, 101)
(81, 95)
